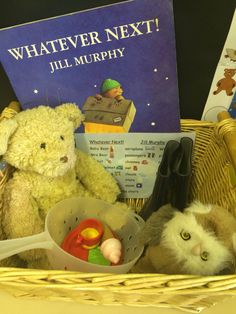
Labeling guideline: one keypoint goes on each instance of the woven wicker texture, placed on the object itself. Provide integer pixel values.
(213, 182)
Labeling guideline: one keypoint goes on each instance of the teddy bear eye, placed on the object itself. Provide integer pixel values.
(43, 145)
(62, 137)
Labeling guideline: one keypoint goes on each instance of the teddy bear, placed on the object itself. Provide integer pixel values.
(39, 143)
(227, 83)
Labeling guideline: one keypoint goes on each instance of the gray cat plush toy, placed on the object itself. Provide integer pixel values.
(200, 241)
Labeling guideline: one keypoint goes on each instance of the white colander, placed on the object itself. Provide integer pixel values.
(64, 217)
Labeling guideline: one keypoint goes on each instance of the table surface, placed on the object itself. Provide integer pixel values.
(11, 305)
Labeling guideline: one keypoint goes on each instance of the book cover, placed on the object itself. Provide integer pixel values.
(116, 62)
(222, 94)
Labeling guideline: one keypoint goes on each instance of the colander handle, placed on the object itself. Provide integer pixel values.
(15, 246)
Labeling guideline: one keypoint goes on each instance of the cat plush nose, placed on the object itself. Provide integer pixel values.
(64, 159)
(196, 250)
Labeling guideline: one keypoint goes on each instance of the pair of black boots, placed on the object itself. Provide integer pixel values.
(173, 178)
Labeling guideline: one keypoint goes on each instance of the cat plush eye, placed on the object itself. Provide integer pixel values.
(204, 256)
(185, 235)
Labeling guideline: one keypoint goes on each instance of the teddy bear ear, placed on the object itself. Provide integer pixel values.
(7, 128)
(71, 112)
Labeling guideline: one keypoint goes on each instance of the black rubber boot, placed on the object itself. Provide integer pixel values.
(161, 193)
(182, 172)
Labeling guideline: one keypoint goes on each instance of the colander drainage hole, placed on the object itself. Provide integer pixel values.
(64, 222)
(130, 237)
(137, 218)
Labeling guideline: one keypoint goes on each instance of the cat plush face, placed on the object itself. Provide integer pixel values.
(198, 250)
(200, 241)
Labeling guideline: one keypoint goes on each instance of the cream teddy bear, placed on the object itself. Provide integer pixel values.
(39, 143)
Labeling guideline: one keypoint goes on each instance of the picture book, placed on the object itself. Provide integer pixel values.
(222, 94)
(116, 62)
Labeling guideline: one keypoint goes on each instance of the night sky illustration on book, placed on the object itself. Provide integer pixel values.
(116, 62)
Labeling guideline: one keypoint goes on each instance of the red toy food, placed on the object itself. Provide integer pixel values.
(93, 242)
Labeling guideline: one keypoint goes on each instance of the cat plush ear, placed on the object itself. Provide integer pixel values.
(7, 128)
(71, 112)
(198, 207)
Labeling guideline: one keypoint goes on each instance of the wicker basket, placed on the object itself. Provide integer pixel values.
(213, 181)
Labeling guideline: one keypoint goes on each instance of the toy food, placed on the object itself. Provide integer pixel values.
(111, 250)
(85, 243)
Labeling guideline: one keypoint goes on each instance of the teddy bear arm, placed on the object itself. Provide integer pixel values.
(219, 82)
(95, 178)
(21, 215)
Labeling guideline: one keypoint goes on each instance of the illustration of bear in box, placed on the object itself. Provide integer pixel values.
(109, 111)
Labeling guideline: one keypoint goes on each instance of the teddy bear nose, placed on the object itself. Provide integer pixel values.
(64, 159)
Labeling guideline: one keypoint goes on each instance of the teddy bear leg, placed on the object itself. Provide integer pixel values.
(21, 216)
(217, 91)
(229, 92)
